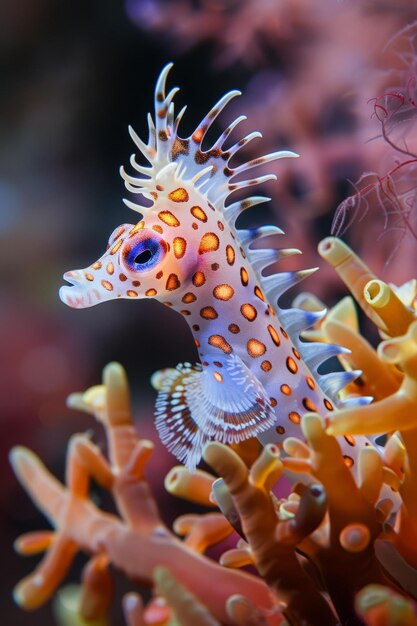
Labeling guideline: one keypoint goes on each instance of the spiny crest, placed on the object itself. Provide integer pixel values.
(184, 159)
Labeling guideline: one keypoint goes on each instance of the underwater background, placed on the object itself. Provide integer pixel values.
(73, 76)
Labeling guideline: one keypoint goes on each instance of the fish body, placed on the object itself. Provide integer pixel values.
(255, 376)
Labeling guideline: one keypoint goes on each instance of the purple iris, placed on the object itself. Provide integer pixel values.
(144, 255)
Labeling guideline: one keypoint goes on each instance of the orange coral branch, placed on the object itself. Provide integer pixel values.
(272, 546)
(136, 544)
(345, 557)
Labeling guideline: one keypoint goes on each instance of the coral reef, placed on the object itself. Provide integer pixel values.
(334, 549)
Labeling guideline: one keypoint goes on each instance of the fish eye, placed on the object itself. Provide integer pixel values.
(144, 254)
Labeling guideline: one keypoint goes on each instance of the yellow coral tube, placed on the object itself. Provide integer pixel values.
(195, 487)
(378, 378)
(352, 270)
(395, 315)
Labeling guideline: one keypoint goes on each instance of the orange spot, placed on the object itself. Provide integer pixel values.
(150, 292)
(185, 312)
(159, 275)
(116, 246)
(168, 218)
(350, 440)
(274, 335)
(96, 265)
(199, 279)
(208, 313)
(280, 430)
(194, 225)
(294, 417)
(291, 365)
(248, 311)
(259, 294)
(309, 405)
(215, 267)
(157, 228)
(89, 276)
(180, 246)
(110, 268)
(122, 277)
(173, 282)
(131, 293)
(310, 382)
(218, 364)
(196, 327)
(154, 195)
(197, 343)
(230, 255)
(244, 276)
(137, 227)
(327, 404)
(223, 292)
(159, 188)
(271, 310)
(286, 390)
(198, 213)
(218, 377)
(209, 243)
(107, 285)
(296, 354)
(220, 225)
(284, 333)
(273, 401)
(179, 195)
(136, 283)
(348, 460)
(189, 297)
(266, 366)
(198, 135)
(220, 342)
(255, 348)
(234, 328)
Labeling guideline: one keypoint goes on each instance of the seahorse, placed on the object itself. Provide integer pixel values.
(256, 377)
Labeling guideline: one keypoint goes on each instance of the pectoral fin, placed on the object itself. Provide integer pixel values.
(222, 400)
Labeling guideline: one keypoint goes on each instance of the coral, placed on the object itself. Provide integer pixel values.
(138, 541)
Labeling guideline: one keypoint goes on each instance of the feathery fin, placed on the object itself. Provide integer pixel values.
(227, 403)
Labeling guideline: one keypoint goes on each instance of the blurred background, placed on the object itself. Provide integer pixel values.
(322, 77)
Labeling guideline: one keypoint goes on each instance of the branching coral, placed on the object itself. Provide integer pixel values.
(272, 541)
(342, 548)
(136, 543)
(397, 412)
